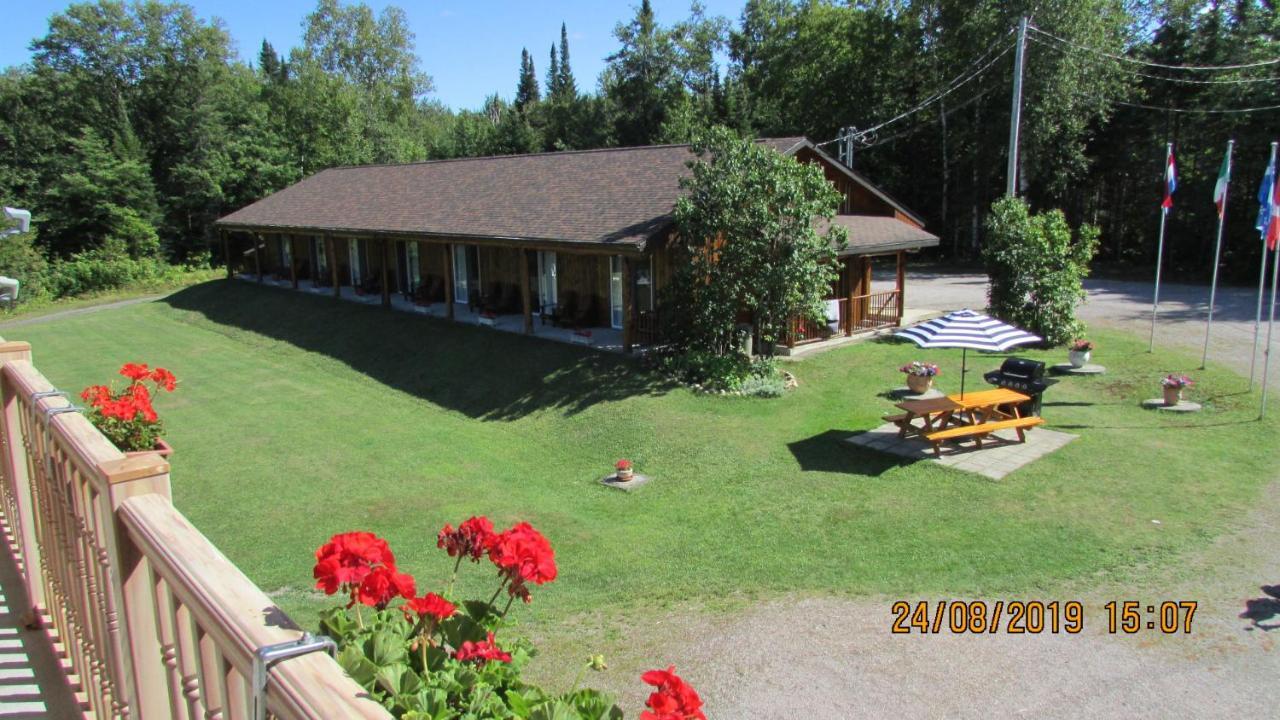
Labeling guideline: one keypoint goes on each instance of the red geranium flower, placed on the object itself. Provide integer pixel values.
(430, 604)
(96, 395)
(622, 465)
(382, 585)
(348, 558)
(473, 537)
(164, 379)
(523, 556)
(674, 699)
(135, 371)
(485, 650)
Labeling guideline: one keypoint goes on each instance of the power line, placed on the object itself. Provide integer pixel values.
(1185, 81)
(955, 84)
(1197, 111)
(1124, 58)
(960, 80)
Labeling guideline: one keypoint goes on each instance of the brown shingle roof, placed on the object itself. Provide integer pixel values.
(617, 196)
(875, 233)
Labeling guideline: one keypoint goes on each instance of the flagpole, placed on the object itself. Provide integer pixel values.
(1262, 280)
(1257, 316)
(1217, 257)
(1271, 323)
(1164, 214)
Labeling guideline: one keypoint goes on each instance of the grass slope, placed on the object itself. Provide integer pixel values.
(299, 417)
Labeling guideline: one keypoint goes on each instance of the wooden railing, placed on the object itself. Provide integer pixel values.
(860, 313)
(150, 619)
(648, 327)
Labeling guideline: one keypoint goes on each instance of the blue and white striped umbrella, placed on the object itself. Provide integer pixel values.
(968, 330)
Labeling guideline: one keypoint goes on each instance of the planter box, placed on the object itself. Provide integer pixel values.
(490, 322)
(162, 448)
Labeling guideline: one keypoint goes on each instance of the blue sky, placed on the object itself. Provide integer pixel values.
(470, 49)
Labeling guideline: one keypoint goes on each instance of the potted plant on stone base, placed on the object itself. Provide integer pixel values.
(1080, 353)
(920, 376)
(623, 470)
(126, 416)
(1173, 386)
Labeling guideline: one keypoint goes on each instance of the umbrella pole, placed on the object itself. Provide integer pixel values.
(964, 363)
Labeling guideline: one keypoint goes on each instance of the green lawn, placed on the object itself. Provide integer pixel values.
(299, 416)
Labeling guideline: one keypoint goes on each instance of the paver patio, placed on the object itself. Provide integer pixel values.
(1001, 453)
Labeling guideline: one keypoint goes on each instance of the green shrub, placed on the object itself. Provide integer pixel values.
(21, 260)
(1037, 269)
(733, 373)
(102, 269)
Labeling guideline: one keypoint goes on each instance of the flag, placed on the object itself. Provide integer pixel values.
(1269, 214)
(1170, 181)
(1224, 178)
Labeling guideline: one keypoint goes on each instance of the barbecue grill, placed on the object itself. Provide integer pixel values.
(1025, 376)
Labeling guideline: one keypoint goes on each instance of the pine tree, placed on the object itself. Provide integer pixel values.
(553, 76)
(268, 61)
(527, 92)
(565, 84)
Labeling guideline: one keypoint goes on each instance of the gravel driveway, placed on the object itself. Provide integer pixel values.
(1126, 305)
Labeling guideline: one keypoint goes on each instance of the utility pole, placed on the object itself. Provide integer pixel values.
(1011, 188)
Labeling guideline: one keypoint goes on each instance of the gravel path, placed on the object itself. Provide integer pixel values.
(62, 314)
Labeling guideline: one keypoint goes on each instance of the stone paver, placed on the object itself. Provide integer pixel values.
(1001, 453)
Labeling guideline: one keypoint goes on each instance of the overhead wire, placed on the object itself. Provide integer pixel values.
(1148, 63)
(955, 84)
(1186, 81)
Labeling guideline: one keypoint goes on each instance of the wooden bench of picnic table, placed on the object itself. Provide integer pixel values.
(981, 430)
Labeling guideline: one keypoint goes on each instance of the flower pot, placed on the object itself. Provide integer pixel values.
(625, 475)
(162, 448)
(919, 384)
(1078, 358)
(1172, 395)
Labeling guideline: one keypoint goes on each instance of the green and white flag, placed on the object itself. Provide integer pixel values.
(1220, 189)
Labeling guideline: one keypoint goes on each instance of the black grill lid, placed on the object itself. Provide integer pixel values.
(1023, 368)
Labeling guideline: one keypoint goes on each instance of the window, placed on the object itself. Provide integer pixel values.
(644, 286)
(415, 267)
(546, 279)
(357, 272)
(286, 251)
(460, 275)
(321, 256)
(615, 291)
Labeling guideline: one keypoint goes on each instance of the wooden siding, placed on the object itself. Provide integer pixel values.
(858, 200)
(587, 276)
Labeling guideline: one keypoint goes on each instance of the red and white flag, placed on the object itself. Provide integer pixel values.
(1170, 180)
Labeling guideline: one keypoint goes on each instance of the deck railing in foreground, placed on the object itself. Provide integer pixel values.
(150, 620)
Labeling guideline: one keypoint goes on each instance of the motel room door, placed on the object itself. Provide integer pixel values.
(546, 280)
(615, 291)
(466, 269)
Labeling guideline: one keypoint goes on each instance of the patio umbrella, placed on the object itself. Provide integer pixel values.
(967, 330)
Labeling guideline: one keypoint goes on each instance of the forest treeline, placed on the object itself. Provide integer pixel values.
(136, 125)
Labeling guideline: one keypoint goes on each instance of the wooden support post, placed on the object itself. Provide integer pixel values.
(331, 249)
(141, 650)
(293, 259)
(448, 280)
(13, 465)
(628, 312)
(850, 289)
(525, 303)
(226, 253)
(902, 284)
(258, 242)
(386, 284)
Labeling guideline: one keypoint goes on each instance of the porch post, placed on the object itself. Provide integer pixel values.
(293, 259)
(226, 252)
(628, 322)
(258, 242)
(448, 279)
(524, 291)
(850, 291)
(332, 251)
(902, 283)
(386, 287)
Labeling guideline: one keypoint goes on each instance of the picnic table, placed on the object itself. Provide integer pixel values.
(970, 416)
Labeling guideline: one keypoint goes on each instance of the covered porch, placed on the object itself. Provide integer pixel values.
(586, 297)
